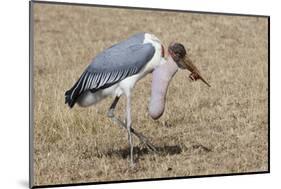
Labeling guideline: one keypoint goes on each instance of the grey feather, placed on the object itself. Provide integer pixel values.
(113, 65)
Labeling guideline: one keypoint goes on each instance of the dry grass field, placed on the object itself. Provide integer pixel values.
(217, 130)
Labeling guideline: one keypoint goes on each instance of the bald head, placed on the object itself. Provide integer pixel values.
(177, 52)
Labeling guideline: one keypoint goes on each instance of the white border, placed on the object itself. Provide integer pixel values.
(14, 92)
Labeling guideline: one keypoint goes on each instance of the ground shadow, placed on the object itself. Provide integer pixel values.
(141, 151)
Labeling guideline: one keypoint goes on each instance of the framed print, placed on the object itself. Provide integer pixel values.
(124, 94)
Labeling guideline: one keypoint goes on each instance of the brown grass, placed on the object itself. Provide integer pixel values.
(222, 129)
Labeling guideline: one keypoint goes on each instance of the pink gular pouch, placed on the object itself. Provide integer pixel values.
(161, 77)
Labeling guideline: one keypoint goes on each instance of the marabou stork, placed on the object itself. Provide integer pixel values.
(115, 71)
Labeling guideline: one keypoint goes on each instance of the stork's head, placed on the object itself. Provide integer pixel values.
(178, 53)
(180, 57)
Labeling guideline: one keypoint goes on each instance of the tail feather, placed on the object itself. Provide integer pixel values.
(72, 94)
(68, 100)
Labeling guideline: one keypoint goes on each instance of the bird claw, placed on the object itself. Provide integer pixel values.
(132, 165)
(146, 142)
(151, 147)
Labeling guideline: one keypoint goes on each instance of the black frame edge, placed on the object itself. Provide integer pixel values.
(268, 95)
(31, 48)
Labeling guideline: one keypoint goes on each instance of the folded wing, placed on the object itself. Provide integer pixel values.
(112, 66)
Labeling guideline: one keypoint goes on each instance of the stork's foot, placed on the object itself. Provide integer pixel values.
(132, 165)
(145, 141)
(140, 136)
(150, 146)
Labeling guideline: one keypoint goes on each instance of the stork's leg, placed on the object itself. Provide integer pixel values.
(140, 136)
(129, 123)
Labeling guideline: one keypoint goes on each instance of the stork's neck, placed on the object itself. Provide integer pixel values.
(161, 78)
(167, 67)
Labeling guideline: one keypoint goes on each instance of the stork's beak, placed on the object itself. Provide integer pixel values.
(195, 74)
(180, 57)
